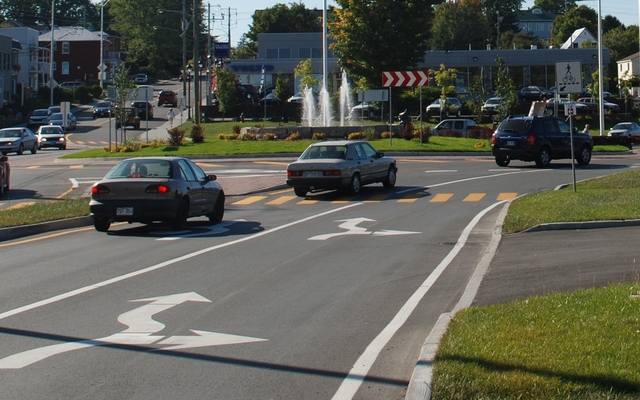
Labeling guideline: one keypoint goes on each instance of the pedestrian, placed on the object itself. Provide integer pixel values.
(586, 129)
(241, 117)
(171, 116)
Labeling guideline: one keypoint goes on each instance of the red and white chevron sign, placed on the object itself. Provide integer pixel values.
(405, 78)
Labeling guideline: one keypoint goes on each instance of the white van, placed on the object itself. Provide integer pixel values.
(456, 125)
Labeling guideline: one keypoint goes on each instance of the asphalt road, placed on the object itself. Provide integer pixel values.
(328, 297)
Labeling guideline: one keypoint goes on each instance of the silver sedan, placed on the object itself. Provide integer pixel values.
(343, 164)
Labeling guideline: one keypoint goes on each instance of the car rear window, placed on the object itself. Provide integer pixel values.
(145, 168)
(40, 112)
(515, 125)
(324, 152)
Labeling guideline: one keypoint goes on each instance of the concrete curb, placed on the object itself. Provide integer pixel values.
(557, 226)
(17, 232)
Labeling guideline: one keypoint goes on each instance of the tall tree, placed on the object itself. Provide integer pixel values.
(38, 12)
(576, 18)
(555, 6)
(376, 36)
(621, 42)
(450, 29)
(503, 16)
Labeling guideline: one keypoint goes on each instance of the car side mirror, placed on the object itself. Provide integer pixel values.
(212, 177)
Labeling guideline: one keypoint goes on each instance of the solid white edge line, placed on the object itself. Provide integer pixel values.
(167, 263)
(422, 377)
(361, 367)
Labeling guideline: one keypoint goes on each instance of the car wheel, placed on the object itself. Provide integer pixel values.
(584, 157)
(459, 114)
(34, 149)
(502, 161)
(446, 113)
(216, 216)
(1, 189)
(101, 224)
(544, 157)
(355, 185)
(20, 150)
(180, 221)
(300, 192)
(390, 181)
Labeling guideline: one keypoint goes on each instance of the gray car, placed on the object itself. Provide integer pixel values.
(51, 136)
(38, 117)
(18, 140)
(625, 129)
(343, 164)
(149, 189)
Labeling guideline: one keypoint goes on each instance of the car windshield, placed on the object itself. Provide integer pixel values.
(141, 169)
(10, 133)
(622, 126)
(50, 131)
(102, 104)
(324, 152)
(40, 113)
(493, 101)
(56, 116)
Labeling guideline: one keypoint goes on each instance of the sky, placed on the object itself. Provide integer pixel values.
(625, 10)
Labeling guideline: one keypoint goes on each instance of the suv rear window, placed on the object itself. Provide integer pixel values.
(515, 125)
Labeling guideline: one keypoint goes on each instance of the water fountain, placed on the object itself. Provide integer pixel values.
(319, 113)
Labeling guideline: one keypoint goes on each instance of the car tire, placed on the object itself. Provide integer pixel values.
(459, 114)
(544, 157)
(502, 161)
(446, 113)
(216, 216)
(34, 149)
(180, 221)
(355, 185)
(101, 224)
(584, 156)
(390, 180)
(300, 192)
(20, 150)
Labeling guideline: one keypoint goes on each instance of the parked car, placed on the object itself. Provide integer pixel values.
(580, 107)
(18, 140)
(270, 99)
(103, 109)
(57, 119)
(534, 93)
(342, 164)
(296, 98)
(460, 126)
(594, 105)
(625, 129)
(5, 175)
(54, 109)
(149, 189)
(51, 136)
(540, 139)
(145, 109)
(452, 106)
(141, 78)
(363, 110)
(38, 117)
(491, 106)
(129, 117)
(168, 97)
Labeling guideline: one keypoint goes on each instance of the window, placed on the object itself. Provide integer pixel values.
(316, 52)
(529, 26)
(284, 53)
(304, 53)
(65, 68)
(66, 48)
(55, 66)
(272, 53)
(539, 27)
(186, 172)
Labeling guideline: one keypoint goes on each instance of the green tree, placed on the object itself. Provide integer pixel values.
(505, 89)
(245, 49)
(226, 91)
(609, 22)
(281, 18)
(520, 40)
(38, 12)
(621, 42)
(305, 72)
(376, 36)
(576, 18)
(594, 86)
(450, 28)
(126, 89)
(282, 91)
(555, 6)
(445, 79)
(625, 86)
(503, 17)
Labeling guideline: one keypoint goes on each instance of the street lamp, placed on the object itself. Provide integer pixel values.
(188, 93)
(102, 67)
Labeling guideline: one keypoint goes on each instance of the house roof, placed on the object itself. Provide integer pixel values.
(629, 58)
(71, 34)
(579, 35)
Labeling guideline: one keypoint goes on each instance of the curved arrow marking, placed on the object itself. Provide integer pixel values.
(352, 229)
(204, 339)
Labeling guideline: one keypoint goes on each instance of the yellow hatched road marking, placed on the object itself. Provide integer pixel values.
(281, 200)
(507, 196)
(76, 166)
(377, 198)
(208, 165)
(249, 200)
(271, 163)
(410, 198)
(474, 197)
(441, 198)
(33, 167)
(308, 201)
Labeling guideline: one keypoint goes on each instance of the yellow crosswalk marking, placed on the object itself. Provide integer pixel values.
(441, 198)
(76, 166)
(474, 197)
(410, 198)
(281, 200)
(307, 201)
(33, 167)
(249, 200)
(507, 196)
(343, 200)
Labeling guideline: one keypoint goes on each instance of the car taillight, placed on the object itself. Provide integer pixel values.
(332, 172)
(294, 173)
(493, 139)
(100, 189)
(160, 189)
(531, 140)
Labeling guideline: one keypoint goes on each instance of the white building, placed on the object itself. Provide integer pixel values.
(578, 37)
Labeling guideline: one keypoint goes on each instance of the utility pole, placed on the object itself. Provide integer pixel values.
(196, 60)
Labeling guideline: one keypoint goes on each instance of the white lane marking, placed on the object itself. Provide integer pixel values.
(352, 228)
(441, 170)
(361, 367)
(167, 263)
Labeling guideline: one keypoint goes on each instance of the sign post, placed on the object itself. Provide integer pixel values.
(405, 79)
(569, 80)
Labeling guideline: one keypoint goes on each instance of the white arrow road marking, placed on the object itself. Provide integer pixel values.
(141, 325)
(217, 229)
(205, 338)
(352, 229)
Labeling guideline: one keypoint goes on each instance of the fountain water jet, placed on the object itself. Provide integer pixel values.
(319, 113)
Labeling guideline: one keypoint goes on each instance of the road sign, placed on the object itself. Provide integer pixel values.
(405, 78)
(568, 77)
(570, 108)
(373, 95)
(221, 50)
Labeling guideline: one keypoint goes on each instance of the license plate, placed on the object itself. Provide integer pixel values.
(124, 211)
(511, 142)
(311, 174)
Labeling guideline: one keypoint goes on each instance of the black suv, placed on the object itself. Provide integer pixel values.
(540, 139)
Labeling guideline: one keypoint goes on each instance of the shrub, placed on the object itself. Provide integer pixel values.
(197, 134)
(293, 136)
(450, 134)
(176, 136)
(233, 136)
(236, 129)
(248, 136)
(269, 136)
(130, 146)
(355, 136)
(480, 132)
(370, 133)
(385, 135)
(319, 136)
(426, 134)
(96, 91)
(82, 93)
(221, 136)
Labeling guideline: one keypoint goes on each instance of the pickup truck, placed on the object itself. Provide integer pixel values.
(458, 125)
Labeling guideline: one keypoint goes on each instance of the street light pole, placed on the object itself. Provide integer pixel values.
(196, 60)
(101, 68)
(51, 80)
